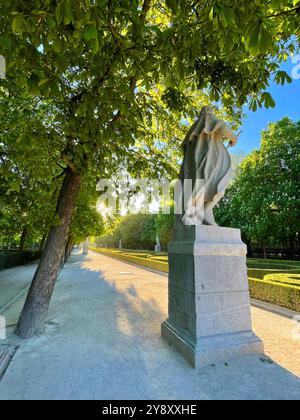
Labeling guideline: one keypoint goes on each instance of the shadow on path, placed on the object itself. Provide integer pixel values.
(103, 342)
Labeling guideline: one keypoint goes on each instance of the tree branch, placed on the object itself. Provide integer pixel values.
(145, 10)
(285, 12)
(143, 15)
(67, 162)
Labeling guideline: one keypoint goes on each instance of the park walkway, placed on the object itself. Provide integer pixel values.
(103, 342)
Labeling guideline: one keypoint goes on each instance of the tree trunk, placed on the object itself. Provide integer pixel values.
(69, 248)
(265, 252)
(23, 239)
(249, 248)
(43, 242)
(34, 314)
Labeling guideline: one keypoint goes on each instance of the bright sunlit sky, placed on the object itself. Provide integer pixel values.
(287, 99)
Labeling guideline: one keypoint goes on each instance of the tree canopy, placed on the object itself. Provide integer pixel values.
(264, 200)
(112, 67)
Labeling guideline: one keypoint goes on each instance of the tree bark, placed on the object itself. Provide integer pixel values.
(23, 238)
(43, 242)
(69, 248)
(265, 252)
(34, 314)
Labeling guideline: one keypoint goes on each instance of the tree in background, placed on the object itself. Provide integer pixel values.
(264, 200)
(136, 231)
(110, 68)
(164, 226)
(86, 221)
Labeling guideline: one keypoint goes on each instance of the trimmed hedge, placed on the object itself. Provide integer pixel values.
(145, 262)
(291, 279)
(277, 293)
(10, 259)
(258, 273)
(273, 286)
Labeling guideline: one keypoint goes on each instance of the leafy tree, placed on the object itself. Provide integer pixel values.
(137, 231)
(164, 225)
(86, 220)
(29, 176)
(110, 67)
(264, 200)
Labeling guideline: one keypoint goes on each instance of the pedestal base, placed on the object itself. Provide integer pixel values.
(209, 302)
(212, 350)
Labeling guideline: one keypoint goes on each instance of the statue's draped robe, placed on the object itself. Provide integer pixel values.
(206, 158)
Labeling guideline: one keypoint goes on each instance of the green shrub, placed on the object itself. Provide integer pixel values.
(257, 273)
(161, 258)
(10, 259)
(277, 293)
(292, 279)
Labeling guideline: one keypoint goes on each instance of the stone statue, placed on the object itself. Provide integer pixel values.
(206, 158)
(209, 318)
(158, 245)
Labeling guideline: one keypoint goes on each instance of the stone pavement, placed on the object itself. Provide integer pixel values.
(103, 342)
(281, 338)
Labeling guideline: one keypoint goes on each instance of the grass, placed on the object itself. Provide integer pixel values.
(273, 264)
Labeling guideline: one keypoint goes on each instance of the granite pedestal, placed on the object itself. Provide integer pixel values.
(209, 303)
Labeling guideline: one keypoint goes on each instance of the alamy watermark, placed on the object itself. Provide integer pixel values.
(2, 328)
(132, 196)
(296, 68)
(2, 67)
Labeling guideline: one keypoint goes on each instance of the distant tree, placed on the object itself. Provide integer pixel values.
(264, 200)
(164, 225)
(137, 231)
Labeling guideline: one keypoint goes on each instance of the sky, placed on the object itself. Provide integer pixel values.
(287, 99)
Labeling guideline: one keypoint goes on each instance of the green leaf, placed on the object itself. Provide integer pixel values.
(43, 82)
(268, 100)
(5, 43)
(64, 12)
(265, 40)
(59, 12)
(282, 77)
(33, 83)
(86, 148)
(95, 45)
(258, 39)
(68, 12)
(51, 22)
(253, 105)
(91, 33)
(19, 25)
(252, 39)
